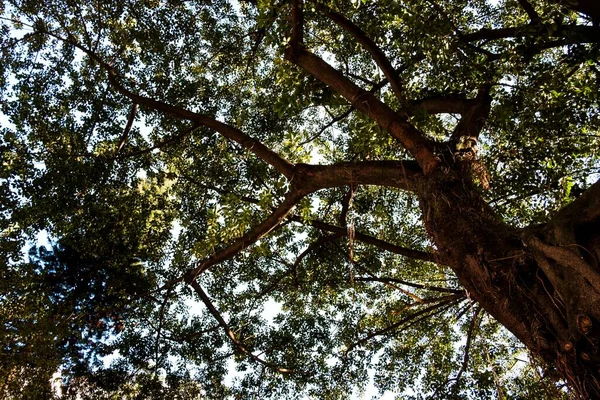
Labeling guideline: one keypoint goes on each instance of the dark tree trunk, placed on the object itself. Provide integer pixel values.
(542, 283)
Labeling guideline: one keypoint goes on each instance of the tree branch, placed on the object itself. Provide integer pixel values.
(252, 145)
(237, 343)
(380, 58)
(438, 307)
(417, 144)
(228, 131)
(128, 126)
(533, 15)
(474, 118)
(254, 234)
(398, 174)
(392, 248)
(440, 105)
(572, 34)
(397, 281)
(470, 335)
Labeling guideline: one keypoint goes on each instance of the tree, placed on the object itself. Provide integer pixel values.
(399, 181)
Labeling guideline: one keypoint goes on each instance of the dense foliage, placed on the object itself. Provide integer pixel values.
(246, 199)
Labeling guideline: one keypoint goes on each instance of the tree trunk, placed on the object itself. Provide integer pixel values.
(542, 282)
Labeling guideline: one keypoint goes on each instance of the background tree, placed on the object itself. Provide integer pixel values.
(313, 193)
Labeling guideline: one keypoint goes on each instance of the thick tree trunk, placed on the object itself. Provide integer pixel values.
(542, 283)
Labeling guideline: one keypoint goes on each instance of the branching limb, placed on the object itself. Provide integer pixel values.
(397, 281)
(417, 144)
(474, 118)
(236, 342)
(403, 251)
(254, 234)
(251, 144)
(440, 305)
(368, 44)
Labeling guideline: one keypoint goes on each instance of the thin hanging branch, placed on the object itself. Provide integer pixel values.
(470, 336)
(236, 342)
(128, 126)
(416, 254)
(440, 304)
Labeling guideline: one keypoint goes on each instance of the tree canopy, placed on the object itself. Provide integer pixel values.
(299, 199)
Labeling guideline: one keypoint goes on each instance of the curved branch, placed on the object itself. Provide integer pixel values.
(474, 118)
(368, 44)
(241, 346)
(254, 146)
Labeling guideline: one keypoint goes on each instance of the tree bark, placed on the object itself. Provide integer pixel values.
(542, 282)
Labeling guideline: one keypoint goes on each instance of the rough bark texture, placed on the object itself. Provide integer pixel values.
(542, 283)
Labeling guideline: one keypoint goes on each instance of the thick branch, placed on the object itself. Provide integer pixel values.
(585, 209)
(473, 120)
(380, 58)
(440, 105)
(587, 7)
(297, 37)
(241, 346)
(533, 15)
(572, 34)
(411, 138)
(398, 174)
